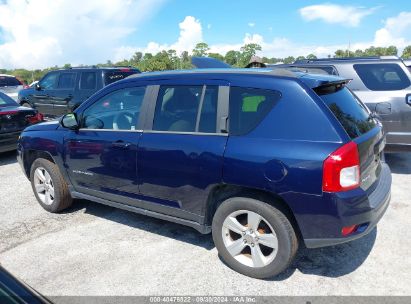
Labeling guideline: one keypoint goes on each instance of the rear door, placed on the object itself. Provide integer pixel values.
(61, 96)
(181, 149)
(386, 88)
(360, 127)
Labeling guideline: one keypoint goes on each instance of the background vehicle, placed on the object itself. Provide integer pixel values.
(10, 85)
(407, 62)
(258, 157)
(382, 83)
(13, 119)
(60, 91)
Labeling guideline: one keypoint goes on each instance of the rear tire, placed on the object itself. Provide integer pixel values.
(253, 237)
(49, 186)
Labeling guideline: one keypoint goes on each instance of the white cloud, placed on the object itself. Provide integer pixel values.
(334, 13)
(41, 33)
(251, 24)
(396, 31)
(191, 33)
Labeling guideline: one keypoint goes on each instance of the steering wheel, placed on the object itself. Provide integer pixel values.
(124, 121)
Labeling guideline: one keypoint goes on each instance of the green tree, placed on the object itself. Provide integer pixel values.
(289, 59)
(216, 56)
(247, 51)
(201, 49)
(311, 56)
(406, 53)
(300, 58)
(232, 57)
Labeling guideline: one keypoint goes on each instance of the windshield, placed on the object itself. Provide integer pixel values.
(350, 112)
(6, 101)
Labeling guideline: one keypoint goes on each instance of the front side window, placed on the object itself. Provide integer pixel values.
(49, 81)
(382, 76)
(119, 110)
(66, 81)
(248, 107)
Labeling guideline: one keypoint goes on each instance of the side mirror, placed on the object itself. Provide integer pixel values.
(408, 99)
(383, 108)
(69, 121)
(37, 86)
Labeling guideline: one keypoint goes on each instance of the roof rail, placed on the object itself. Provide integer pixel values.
(345, 59)
(103, 67)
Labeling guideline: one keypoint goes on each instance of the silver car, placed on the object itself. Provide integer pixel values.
(10, 85)
(382, 83)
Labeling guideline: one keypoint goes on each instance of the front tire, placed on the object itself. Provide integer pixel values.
(49, 186)
(253, 237)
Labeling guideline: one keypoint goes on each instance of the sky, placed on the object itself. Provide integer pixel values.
(44, 33)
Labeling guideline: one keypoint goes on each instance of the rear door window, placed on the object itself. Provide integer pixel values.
(382, 76)
(88, 81)
(66, 81)
(248, 107)
(350, 112)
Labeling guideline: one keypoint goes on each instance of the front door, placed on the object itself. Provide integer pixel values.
(101, 157)
(62, 95)
(40, 98)
(181, 151)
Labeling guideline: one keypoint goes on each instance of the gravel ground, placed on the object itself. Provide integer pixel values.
(96, 250)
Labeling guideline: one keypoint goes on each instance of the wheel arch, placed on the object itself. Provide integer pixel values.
(31, 155)
(222, 192)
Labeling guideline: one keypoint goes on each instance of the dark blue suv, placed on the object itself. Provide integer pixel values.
(263, 159)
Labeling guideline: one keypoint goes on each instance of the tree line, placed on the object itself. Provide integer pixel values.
(170, 60)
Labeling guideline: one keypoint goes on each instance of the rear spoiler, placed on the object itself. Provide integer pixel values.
(208, 63)
(331, 86)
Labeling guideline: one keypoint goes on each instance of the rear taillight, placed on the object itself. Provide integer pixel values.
(341, 171)
(35, 118)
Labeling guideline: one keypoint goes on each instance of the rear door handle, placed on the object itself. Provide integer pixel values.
(121, 144)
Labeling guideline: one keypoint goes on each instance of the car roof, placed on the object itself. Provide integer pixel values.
(347, 60)
(311, 80)
(6, 75)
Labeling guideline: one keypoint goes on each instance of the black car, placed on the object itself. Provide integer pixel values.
(61, 91)
(13, 119)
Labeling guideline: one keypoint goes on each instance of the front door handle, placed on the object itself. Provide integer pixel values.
(121, 144)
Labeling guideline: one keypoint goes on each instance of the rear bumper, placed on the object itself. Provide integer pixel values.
(8, 141)
(356, 210)
(398, 142)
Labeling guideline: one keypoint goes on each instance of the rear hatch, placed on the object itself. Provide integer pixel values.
(114, 75)
(14, 119)
(360, 126)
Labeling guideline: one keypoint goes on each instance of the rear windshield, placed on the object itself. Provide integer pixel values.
(9, 81)
(382, 77)
(6, 101)
(112, 76)
(349, 111)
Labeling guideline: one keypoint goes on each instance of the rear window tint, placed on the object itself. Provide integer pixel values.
(88, 81)
(248, 107)
(66, 81)
(382, 77)
(349, 111)
(112, 76)
(9, 81)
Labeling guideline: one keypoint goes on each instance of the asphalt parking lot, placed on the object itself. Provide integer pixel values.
(93, 249)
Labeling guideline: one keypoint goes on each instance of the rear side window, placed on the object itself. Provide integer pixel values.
(248, 107)
(6, 101)
(112, 76)
(382, 77)
(66, 81)
(88, 81)
(349, 111)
